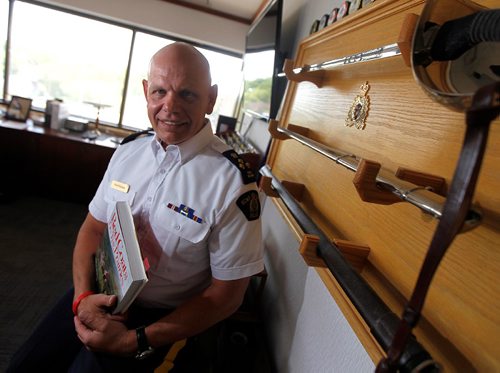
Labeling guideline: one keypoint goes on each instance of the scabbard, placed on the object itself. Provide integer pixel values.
(377, 315)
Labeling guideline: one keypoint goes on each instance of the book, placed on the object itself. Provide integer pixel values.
(120, 269)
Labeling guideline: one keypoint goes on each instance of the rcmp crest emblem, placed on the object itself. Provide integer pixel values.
(249, 204)
(359, 109)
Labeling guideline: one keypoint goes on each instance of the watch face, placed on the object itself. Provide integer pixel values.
(144, 354)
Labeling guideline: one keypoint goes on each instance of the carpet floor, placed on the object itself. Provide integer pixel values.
(36, 242)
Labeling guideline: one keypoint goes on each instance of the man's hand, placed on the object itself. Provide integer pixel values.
(100, 331)
(97, 303)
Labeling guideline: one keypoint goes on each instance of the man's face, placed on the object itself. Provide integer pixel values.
(178, 95)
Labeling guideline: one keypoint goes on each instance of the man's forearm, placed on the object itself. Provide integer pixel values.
(87, 241)
(83, 272)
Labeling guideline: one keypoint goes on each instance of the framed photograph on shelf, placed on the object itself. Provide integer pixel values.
(333, 16)
(323, 22)
(19, 109)
(314, 27)
(343, 10)
(355, 5)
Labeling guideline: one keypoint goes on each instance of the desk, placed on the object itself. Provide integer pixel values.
(50, 163)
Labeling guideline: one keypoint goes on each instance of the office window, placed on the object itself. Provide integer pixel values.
(60, 55)
(135, 113)
(258, 73)
(4, 13)
(227, 74)
(55, 54)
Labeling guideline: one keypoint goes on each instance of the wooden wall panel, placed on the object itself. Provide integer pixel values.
(404, 128)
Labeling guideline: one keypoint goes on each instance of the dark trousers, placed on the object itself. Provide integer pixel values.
(55, 347)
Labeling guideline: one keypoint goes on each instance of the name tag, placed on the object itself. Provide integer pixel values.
(118, 185)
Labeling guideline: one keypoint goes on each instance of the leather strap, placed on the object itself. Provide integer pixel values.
(143, 347)
(142, 341)
(484, 109)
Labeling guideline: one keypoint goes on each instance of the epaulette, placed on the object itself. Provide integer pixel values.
(135, 135)
(246, 172)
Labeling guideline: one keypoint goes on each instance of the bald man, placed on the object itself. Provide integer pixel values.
(199, 269)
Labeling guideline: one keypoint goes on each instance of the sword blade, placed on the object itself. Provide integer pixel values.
(385, 51)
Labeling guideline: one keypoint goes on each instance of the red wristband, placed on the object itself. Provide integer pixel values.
(77, 301)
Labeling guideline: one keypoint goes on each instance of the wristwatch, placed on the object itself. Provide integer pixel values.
(143, 349)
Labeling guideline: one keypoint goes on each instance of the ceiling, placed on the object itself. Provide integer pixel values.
(245, 11)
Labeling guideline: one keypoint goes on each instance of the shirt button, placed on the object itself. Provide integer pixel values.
(162, 171)
(177, 227)
(149, 199)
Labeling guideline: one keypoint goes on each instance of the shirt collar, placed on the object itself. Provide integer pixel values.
(190, 147)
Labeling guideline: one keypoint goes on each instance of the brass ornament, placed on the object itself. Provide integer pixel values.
(359, 109)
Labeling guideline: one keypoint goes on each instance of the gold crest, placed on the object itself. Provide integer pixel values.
(359, 109)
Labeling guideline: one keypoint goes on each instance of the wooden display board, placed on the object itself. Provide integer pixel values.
(404, 128)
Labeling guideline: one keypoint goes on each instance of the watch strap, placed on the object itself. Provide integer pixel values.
(142, 340)
(143, 347)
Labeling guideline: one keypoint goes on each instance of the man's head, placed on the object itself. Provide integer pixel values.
(178, 92)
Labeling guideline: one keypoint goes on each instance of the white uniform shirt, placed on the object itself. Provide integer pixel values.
(184, 252)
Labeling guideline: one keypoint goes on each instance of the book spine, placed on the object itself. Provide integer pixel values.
(119, 254)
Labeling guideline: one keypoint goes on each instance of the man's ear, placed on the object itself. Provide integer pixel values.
(145, 88)
(212, 98)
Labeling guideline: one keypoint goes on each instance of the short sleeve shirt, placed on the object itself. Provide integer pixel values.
(196, 213)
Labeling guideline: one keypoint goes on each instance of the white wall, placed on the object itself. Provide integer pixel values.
(293, 11)
(307, 331)
(168, 18)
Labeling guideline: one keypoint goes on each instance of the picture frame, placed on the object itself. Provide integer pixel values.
(323, 21)
(225, 124)
(343, 10)
(18, 109)
(355, 5)
(333, 16)
(314, 27)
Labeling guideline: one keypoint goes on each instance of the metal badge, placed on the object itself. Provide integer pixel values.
(359, 109)
(118, 185)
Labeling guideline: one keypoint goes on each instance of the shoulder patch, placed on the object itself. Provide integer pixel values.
(135, 135)
(246, 173)
(249, 205)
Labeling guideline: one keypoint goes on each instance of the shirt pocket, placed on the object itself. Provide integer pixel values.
(183, 241)
(180, 225)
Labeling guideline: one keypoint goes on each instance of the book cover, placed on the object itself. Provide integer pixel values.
(119, 265)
